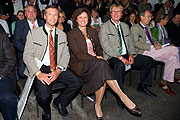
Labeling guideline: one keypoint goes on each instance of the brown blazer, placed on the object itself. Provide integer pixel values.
(78, 49)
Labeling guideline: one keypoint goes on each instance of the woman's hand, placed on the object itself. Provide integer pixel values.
(99, 57)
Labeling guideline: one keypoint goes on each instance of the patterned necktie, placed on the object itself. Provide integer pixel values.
(33, 25)
(52, 52)
(148, 35)
(120, 40)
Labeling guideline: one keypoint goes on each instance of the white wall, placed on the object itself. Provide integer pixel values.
(155, 1)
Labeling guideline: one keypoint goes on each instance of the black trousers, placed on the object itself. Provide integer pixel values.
(43, 92)
(8, 99)
(144, 63)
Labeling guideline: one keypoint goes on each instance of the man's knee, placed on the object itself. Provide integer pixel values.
(119, 66)
(76, 82)
(8, 99)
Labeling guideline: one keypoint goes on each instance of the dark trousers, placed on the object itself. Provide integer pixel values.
(21, 64)
(8, 99)
(44, 92)
(144, 63)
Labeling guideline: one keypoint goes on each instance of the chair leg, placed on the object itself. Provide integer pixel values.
(161, 71)
(130, 77)
(71, 105)
(82, 101)
(155, 72)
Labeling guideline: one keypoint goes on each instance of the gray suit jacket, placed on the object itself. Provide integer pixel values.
(139, 37)
(36, 46)
(109, 39)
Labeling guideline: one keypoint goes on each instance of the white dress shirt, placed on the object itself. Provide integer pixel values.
(123, 44)
(31, 25)
(147, 39)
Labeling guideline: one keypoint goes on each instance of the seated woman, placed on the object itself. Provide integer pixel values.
(20, 16)
(159, 32)
(87, 62)
(132, 19)
(61, 24)
(95, 19)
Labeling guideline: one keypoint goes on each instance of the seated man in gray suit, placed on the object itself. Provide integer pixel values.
(119, 51)
(46, 56)
(147, 45)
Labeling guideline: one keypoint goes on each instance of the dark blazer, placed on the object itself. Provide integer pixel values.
(68, 6)
(174, 33)
(21, 30)
(158, 6)
(66, 27)
(78, 48)
(102, 10)
(129, 24)
(7, 61)
(2, 29)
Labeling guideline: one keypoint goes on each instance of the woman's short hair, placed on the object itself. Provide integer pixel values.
(20, 11)
(60, 11)
(161, 17)
(115, 5)
(95, 10)
(78, 12)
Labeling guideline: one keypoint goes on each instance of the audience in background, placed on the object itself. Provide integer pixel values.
(158, 6)
(95, 19)
(18, 5)
(167, 9)
(132, 19)
(144, 6)
(20, 16)
(62, 24)
(173, 30)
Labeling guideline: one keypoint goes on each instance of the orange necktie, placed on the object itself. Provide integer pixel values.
(52, 52)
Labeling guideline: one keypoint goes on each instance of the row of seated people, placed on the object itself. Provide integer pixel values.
(68, 6)
(86, 48)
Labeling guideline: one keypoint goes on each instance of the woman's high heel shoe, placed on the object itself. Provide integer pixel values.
(135, 111)
(99, 118)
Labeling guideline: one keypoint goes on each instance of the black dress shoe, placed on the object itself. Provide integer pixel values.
(62, 110)
(46, 116)
(145, 90)
(120, 103)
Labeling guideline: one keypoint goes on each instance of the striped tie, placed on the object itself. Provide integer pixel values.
(52, 52)
(120, 40)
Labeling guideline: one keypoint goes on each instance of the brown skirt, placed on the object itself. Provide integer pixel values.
(95, 73)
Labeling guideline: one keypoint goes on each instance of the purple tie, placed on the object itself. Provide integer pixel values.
(148, 35)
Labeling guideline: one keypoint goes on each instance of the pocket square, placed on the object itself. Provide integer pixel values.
(61, 43)
(111, 34)
(37, 43)
(140, 36)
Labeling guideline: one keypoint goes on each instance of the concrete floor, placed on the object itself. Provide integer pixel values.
(164, 107)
